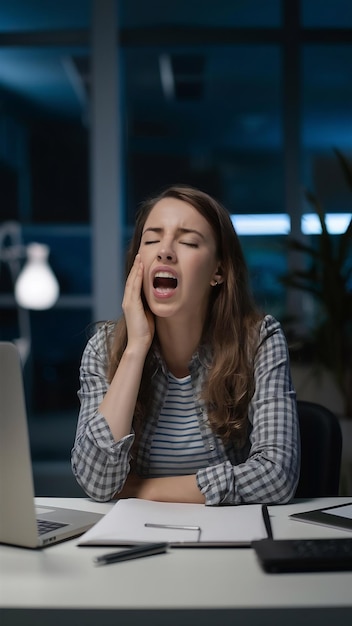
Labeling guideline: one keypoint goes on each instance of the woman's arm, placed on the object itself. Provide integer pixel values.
(99, 463)
(271, 471)
(119, 403)
(168, 489)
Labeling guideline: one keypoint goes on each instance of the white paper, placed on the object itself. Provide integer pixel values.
(126, 523)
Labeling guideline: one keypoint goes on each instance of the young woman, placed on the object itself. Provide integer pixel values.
(188, 397)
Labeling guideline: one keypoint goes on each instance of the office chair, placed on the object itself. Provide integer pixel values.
(321, 445)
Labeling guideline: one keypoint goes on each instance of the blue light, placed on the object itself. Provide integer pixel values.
(280, 223)
(336, 223)
(269, 224)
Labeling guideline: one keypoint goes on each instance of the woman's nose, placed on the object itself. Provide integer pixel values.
(166, 253)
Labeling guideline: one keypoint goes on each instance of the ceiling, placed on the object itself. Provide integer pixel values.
(203, 78)
(46, 75)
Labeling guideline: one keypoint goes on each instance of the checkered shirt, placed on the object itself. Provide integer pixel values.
(265, 469)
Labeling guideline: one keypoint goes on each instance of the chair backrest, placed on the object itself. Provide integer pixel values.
(321, 445)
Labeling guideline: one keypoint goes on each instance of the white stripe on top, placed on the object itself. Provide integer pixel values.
(177, 447)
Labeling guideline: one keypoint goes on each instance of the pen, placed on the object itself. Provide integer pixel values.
(175, 527)
(267, 522)
(137, 552)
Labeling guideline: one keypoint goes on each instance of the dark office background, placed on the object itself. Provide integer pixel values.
(245, 99)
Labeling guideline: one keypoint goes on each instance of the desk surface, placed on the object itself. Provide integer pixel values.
(184, 586)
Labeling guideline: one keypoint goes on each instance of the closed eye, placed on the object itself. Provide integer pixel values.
(190, 244)
(147, 243)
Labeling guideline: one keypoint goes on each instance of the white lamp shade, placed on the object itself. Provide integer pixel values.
(36, 286)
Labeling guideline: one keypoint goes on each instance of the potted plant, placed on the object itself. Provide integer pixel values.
(327, 277)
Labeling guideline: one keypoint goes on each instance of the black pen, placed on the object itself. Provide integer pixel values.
(267, 522)
(146, 549)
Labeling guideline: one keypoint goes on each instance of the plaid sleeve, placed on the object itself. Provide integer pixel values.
(99, 464)
(271, 471)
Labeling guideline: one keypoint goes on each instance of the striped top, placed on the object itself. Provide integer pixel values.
(177, 447)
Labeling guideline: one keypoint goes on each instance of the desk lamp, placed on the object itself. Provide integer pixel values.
(35, 285)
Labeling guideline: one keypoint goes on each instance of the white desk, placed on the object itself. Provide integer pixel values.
(60, 585)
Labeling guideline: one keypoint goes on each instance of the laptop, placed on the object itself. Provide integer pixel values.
(21, 522)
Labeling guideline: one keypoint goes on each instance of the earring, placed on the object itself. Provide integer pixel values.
(215, 283)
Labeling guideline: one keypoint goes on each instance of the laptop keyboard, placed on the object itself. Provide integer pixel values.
(45, 526)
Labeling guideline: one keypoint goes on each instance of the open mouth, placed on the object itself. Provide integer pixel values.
(164, 281)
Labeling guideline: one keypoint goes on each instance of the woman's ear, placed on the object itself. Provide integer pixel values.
(218, 277)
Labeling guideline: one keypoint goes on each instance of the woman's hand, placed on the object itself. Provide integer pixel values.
(140, 323)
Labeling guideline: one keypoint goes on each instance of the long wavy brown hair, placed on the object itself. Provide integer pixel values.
(230, 330)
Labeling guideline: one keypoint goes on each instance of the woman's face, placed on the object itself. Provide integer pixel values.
(178, 251)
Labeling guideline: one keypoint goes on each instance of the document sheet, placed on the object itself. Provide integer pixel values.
(134, 521)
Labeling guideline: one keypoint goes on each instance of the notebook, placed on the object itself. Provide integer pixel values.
(21, 522)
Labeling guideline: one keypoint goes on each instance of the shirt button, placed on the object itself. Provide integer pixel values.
(211, 448)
